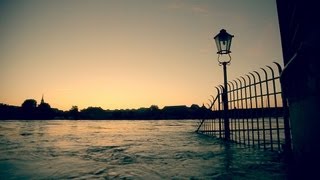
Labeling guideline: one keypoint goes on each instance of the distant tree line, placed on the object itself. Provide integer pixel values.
(29, 110)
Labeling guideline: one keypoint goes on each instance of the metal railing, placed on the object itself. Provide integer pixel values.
(257, 111)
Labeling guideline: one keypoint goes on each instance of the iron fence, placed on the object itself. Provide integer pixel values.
(257, 111)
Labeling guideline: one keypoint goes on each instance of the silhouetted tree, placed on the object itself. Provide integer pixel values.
(195, 107)
(29, 104)
(95, 113)
(154, 112)
(10, 112)
(29, 109)
(73, 113)
(154, 107)
(74, 108)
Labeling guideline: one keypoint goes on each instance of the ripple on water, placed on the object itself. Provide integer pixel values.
(129, 150)
(114, 155)
(195, 155)
(99, 149)
(26, 134)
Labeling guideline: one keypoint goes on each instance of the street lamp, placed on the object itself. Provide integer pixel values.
(223, 42)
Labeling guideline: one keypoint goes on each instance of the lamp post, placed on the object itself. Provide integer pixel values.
(223, 42)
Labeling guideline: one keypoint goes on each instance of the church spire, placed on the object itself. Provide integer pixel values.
(42, 101)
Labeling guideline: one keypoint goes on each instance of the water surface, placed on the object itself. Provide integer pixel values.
(157, 149)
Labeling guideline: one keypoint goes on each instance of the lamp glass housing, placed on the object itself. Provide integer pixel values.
(223, 41)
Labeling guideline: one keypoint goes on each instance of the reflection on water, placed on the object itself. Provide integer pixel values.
(125, 150)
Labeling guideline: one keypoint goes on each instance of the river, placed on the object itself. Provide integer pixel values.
(106, 149)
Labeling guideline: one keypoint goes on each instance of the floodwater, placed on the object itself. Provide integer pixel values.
(156, 149)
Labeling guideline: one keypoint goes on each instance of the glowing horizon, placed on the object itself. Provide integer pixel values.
(128, 54)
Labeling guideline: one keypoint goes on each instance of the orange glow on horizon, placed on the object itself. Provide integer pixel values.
(129, 55)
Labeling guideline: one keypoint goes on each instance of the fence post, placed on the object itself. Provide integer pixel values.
(287, 130)
(268, 106)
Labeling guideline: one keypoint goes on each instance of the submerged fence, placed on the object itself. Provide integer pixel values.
(257, 111)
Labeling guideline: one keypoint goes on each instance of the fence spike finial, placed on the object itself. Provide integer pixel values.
(265, 72)
(232, 84)
(249, 79)
(240, 82)
(210, 101)
(236, 83)
(245, 82)
(217, 90)
(221, 88)
(272, 72)
(208, 106)
(258, 75)
(254, 77)
(212, 97)
(279, 67)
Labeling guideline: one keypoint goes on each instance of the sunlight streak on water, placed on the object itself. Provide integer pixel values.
(124, 149)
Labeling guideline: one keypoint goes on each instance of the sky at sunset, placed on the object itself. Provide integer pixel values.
(126, 54)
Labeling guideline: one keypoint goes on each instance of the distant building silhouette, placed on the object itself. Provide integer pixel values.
(44, 110)
(43, 106)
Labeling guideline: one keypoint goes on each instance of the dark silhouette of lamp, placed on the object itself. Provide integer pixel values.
(223, 42)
